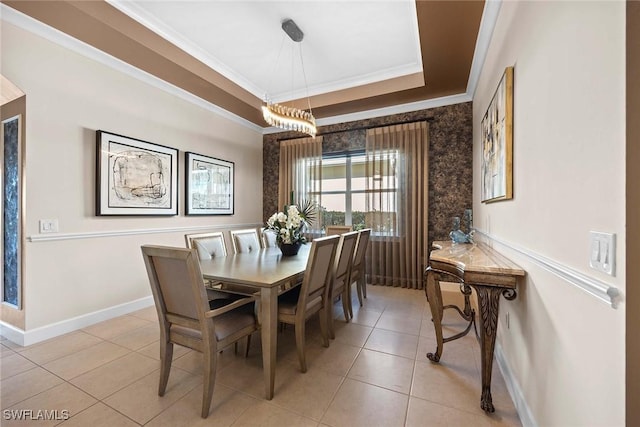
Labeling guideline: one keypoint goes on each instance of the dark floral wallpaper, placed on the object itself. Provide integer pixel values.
(450, 159)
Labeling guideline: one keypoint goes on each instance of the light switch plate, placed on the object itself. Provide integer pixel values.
(602, 252)
(48, 226)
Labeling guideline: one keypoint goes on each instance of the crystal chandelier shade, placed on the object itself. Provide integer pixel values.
(291, 118)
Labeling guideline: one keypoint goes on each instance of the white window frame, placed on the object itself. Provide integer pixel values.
(349, 192)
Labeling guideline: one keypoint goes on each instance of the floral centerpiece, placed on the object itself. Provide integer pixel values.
(289, 226)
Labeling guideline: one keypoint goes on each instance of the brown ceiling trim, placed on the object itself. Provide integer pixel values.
(122, 23)
(85, 21)
(383, 87)
(448, 32)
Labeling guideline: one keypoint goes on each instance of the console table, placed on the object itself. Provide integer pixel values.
(479, 267)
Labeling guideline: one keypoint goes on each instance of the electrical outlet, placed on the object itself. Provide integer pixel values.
(602, 252)
(48, 226)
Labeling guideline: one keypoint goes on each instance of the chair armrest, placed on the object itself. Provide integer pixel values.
(235, 304)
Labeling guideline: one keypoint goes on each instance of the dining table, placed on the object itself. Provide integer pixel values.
(271, 274)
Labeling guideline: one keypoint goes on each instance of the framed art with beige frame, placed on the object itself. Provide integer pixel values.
(497, 143)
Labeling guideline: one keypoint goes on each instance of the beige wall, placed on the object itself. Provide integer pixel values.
(564, 348)
(633, 212)
(69, 97)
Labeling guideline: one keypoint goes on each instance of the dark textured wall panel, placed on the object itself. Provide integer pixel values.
(11, 205)
(450, 159)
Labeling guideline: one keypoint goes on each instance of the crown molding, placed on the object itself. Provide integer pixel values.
(386, 111)
(487, 24)
(27, 23)
(140, 15)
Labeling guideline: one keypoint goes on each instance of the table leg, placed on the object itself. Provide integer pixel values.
(489, 304)
(434, 295)
(269, 313)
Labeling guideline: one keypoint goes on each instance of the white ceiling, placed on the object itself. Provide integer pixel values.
(347, 43)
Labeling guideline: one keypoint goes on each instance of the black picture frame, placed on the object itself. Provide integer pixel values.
(209, 185)
(135, 177)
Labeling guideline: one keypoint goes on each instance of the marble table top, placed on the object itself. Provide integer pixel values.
(474, 257)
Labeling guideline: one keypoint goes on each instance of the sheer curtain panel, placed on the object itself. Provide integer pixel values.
(300, 172)
(397, 203)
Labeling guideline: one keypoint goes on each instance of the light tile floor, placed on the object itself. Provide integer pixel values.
(375, 373)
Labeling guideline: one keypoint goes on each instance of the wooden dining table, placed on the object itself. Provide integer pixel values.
(270, 273)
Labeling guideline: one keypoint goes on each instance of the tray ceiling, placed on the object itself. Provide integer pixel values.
(358, 55)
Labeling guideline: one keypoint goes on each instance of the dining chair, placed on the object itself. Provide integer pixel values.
(357, 267)
(268, 238)
(331, 230)
(245, 240)
(188, 318)
(209, 245)
(312, 296)
(341, 269)
(212, 245)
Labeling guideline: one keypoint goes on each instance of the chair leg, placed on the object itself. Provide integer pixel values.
(300, 345)
(345, 304)
(166, 356)
(362, 283)
(361, 291)
(210, 357)
(324, 327)
(248, 344)
(349, 301)
(329, 315)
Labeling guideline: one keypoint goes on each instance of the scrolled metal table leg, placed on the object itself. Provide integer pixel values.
(486, 402)
(434, 295)
(489, 304)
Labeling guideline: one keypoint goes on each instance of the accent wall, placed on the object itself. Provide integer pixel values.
(563, 349)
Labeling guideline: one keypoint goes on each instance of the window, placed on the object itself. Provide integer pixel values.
(359, 190)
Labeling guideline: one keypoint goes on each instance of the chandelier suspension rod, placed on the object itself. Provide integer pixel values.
(291, 118)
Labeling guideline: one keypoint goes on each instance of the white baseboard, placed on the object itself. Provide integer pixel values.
(526, 417)
(33, 336)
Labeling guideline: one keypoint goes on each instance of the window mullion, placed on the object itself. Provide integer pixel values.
(347, 215)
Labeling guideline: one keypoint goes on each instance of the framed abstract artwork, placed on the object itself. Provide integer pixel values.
(135, 177)
(209, 185)
(497, 143)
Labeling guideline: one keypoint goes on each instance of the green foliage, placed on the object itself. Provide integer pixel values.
(378, 221)
(307, 210)
(338, 218)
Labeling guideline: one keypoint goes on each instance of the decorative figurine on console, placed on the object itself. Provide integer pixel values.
(459, 236)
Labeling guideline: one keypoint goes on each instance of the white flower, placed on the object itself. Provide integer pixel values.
(287, 225)
(293, 211)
